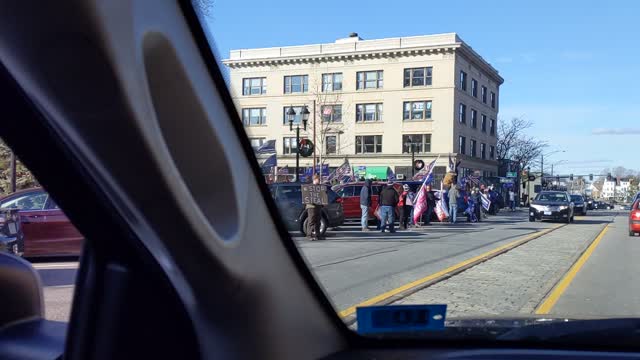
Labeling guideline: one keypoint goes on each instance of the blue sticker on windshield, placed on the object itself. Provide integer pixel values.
(400, 318)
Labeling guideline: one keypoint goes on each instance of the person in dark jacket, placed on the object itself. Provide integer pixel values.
(365, 203)
(388, 200)
(431, 204)
(314, 212)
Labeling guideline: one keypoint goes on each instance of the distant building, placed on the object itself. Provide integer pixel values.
(373, 97)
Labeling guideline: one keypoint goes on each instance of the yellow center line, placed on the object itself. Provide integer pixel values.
(562, 286)
(386, 295)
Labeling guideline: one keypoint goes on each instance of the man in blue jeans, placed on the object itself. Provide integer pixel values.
(365, 203)
(388, 200)
(453, 203)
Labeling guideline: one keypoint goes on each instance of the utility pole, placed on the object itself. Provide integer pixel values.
(315, 142)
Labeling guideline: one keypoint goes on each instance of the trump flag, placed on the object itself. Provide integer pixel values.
(420, 204)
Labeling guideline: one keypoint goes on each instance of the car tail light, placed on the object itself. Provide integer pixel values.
(636, 214)
(339, 200)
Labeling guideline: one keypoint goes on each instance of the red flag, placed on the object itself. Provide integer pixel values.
(420, 204)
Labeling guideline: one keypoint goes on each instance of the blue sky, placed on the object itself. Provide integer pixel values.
(571, 67)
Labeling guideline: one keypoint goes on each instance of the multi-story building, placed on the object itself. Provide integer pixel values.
(371, 99)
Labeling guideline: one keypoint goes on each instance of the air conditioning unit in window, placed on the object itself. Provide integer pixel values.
(400, 176)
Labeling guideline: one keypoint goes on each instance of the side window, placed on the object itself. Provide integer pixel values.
(51, 205)
(331, 195)
(376, 190)
(357, 190)
(291, 193)
(347, 191)
(32, 201)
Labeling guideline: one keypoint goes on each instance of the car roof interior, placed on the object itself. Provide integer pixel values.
(118, 97)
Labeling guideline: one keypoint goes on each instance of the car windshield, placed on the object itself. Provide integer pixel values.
(482, 110)
(552, 197)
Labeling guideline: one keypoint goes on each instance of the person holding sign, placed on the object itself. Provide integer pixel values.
(314, 201)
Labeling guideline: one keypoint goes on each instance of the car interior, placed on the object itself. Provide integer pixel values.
(179, 262)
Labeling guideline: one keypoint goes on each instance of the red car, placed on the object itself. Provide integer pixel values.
(634, 218)
(350, 194)
(47, 230)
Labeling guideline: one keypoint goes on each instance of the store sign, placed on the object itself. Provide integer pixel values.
(512, 174)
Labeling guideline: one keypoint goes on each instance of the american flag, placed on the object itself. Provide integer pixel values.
(425, 171)
(343, 171)
(420, 203)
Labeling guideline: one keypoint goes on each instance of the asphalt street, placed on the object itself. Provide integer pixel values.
(355, 267)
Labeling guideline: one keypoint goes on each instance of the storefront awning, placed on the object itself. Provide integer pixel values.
(376, 172)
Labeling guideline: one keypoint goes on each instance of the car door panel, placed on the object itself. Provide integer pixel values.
(32, 221)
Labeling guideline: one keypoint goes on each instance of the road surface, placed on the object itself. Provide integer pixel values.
(504, 265)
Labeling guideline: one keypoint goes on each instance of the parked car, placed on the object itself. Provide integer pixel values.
(551, 205)
(579, 205)
(47, 230)
(589, 202)
(634, 218)
(601, 205)
(288, 198)
(11, 236)
(350, 194)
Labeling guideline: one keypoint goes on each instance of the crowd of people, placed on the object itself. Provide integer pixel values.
(473, 202)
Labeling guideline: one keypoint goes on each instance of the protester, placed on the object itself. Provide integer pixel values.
(431, 204)
(388, 200)
(376, 212)
(404, 209)
(314, 212)
(477, 197)
(411, 198)
(512, 200)
(365, 203)
(453, 203)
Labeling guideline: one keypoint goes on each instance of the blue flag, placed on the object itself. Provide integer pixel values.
(268, 147)
(270, 162)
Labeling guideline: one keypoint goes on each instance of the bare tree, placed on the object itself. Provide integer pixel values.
(24, 178)
(515, 145)
(330, 120)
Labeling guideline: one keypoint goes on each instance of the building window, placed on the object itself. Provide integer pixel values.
(474, 118)
(483, 122)
(492, 151)
(483, 151)
(418, 76)
(254, 86)
(331, 113)
(463, 81)
(493, 100)
(368, 112)
(417, 110)
(289, 145)
(421, 143)
(368, 144)
(332, 82)
(483, 93)
(254, 116)
(492, 127)
(296, 84)
(256, 142)
(369, 79)
(296, 119)
(331, 144)
(474, 88)
(474, 144)
(462, 145)
(462, 113)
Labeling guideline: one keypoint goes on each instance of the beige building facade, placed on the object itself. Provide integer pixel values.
(368, 98)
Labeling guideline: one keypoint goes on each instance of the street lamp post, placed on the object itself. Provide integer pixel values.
(291, 114)
(542, 163)
(410, 144)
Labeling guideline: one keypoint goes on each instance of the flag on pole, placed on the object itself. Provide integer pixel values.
(452, 165)
(270, 162)
(441, 210)
(343, 171)
(420, 203)
(268, 147)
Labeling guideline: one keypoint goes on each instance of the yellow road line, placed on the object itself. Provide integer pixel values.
(562, 286)
(386, 295)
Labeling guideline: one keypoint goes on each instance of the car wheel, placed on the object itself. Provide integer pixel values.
(323, 226)
(631, 233)
(532, 219)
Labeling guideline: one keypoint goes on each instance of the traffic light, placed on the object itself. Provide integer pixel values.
(571, 177)
(590, 177)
